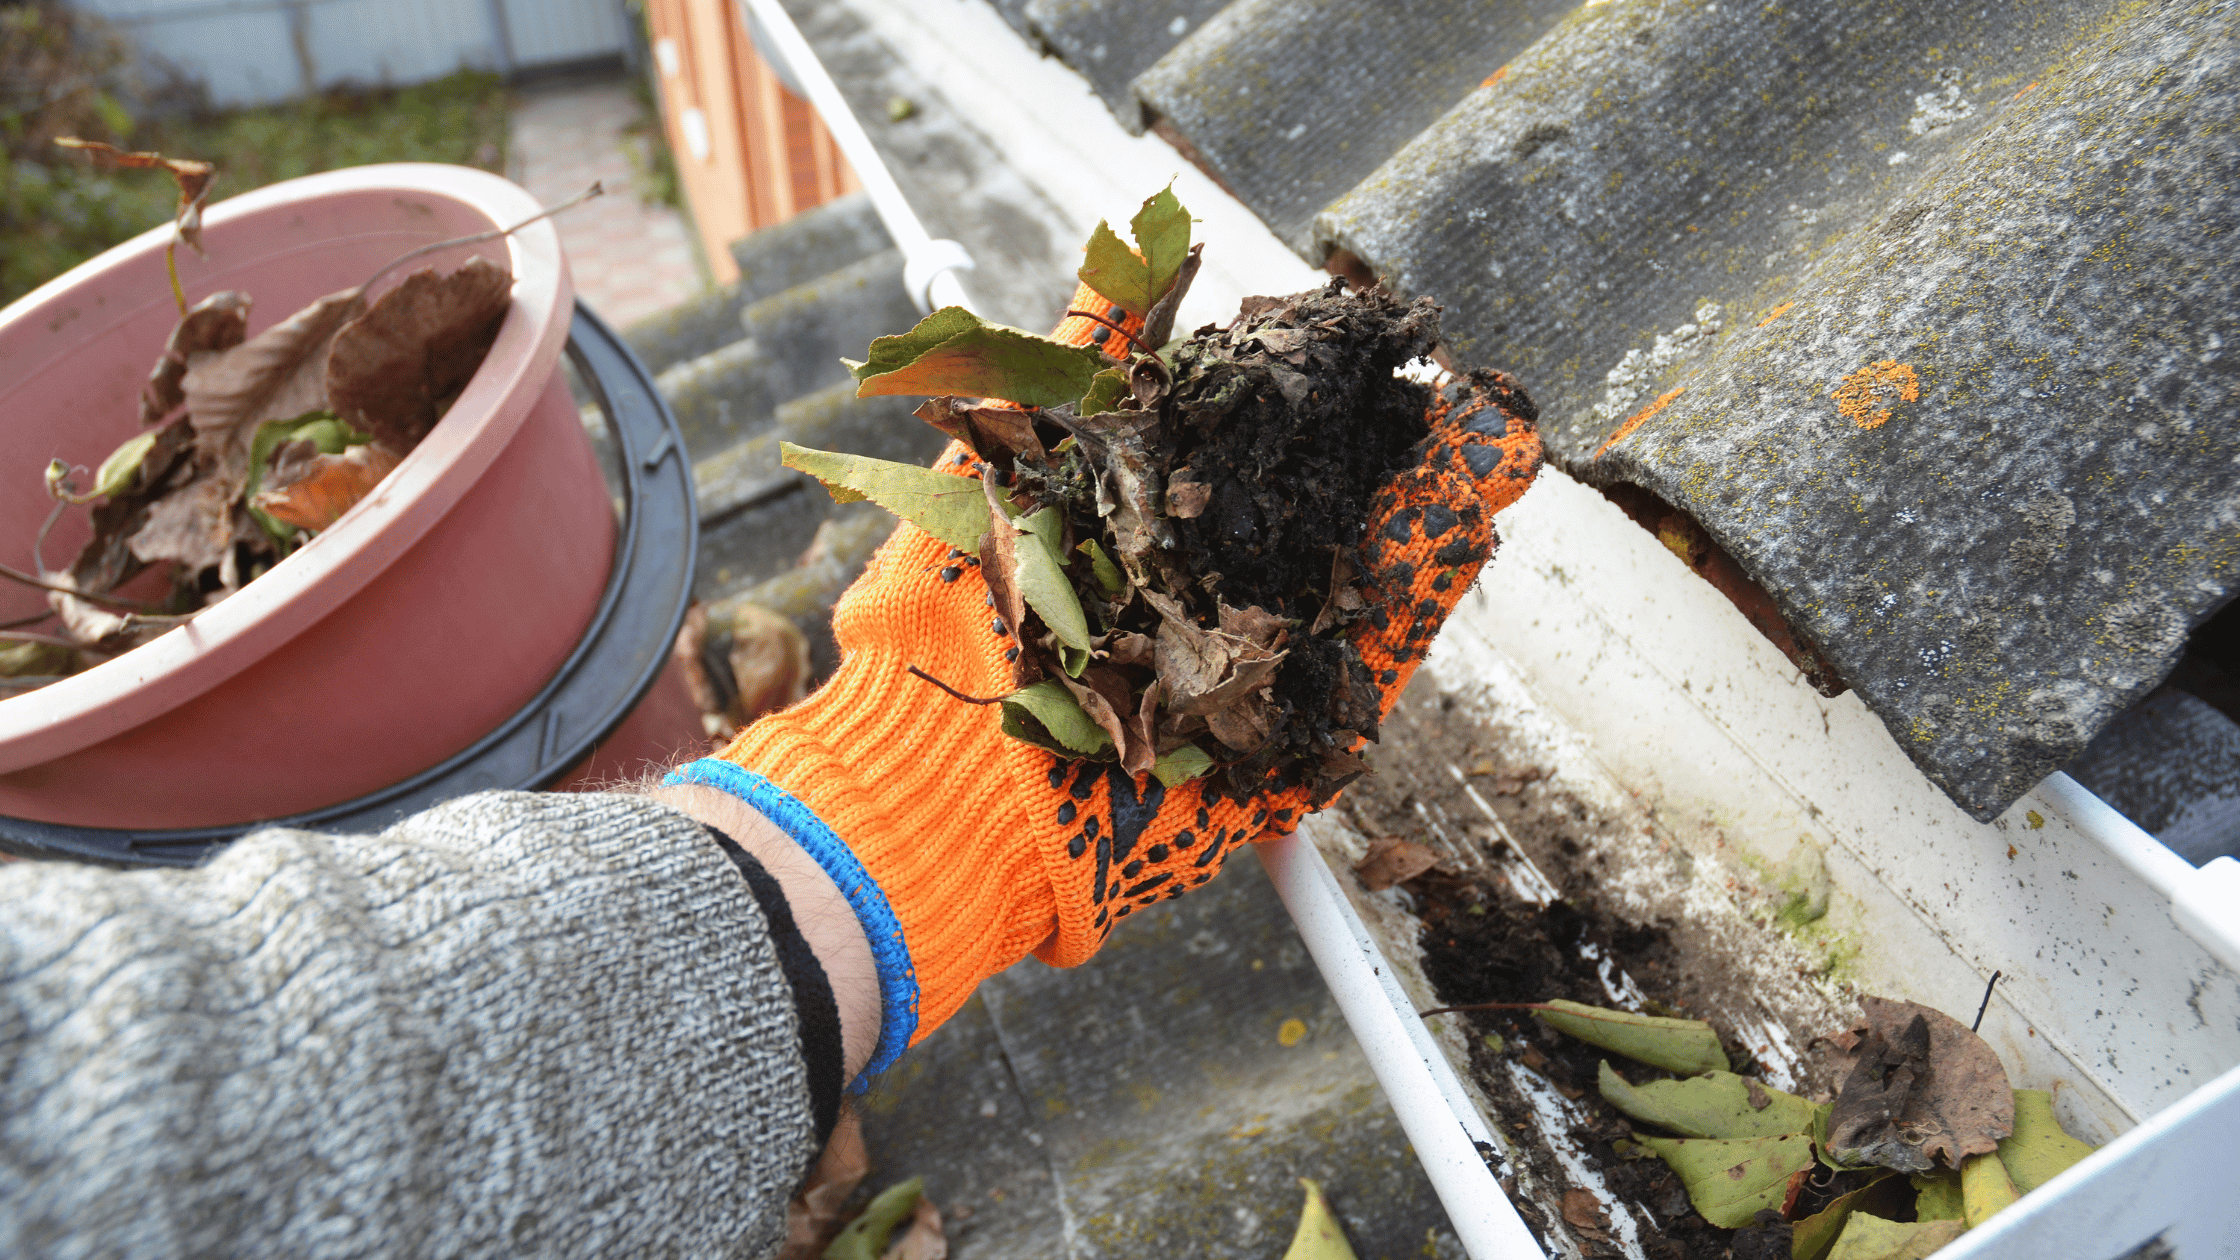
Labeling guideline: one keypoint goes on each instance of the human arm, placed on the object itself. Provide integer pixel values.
(516, 1023)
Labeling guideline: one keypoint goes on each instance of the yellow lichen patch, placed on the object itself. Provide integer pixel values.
(1291, 1032)
(1776, 313)
(1625, 430)
(1865, 397)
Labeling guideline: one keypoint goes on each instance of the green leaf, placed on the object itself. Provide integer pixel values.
(893, 353)
(1182, 765)
(1047, 716)
(1937, 1197)
(1107, 390)
(866, 1236)
(1985, 1188)
(2038, 1150)
(1043, 583)
(1162, 232)
(1116, 273)
(1686, 1047)
(1319, 1236)
(1729, 1182)
(270, 435)
(1816, 1234)
(1102, 568)
(1714, 1105)
(117, 472)
(952, 509)
(952, 352)
(1820, 1115)
(1873, 1238)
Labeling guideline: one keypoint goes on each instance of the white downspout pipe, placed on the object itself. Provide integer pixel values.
(930, 265)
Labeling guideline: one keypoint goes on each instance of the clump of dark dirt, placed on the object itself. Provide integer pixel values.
(1293, 417)
(1227, 485)
(1483, 946)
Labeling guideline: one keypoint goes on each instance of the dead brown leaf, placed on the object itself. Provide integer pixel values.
(999, 566)
(1582, 1209)
(1244, 727)
(1205, 671)
(922, 1238)
(397, 367)
(194, 179)
(1345, 599)
(1392, 860)
(1264, 629)
(1187, 499)
(814, 1216)
(995, 434)
(216, 323)
(313, 491)
(107, 559)
(769, 663)
(278, 374)
(191, 526)
(1126, 647)
(1105, 695)
(689, 654)
(1920, 1085)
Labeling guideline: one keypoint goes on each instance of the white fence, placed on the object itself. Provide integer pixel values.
(254, 52)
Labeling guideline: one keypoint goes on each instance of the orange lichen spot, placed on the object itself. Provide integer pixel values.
(1776, 313)
(1625, 430)
(1496, 77)
(2024, 92)
(1865, 397)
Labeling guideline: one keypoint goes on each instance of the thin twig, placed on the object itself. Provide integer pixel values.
(32, 620)
(1482, 1006)
(952, 690)
(1986, 1001)
(1116, 328)
(25, 636)
(400, 260)
(112, 601)
(39, 542)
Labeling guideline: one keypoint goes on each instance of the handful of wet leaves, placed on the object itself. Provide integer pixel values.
(1169, 536)
(251, 445)
(1924, 1141)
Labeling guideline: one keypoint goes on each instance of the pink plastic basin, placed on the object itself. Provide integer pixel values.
(422, 619)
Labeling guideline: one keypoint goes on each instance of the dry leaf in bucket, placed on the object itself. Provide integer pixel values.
(1171, 535)
(258, 442)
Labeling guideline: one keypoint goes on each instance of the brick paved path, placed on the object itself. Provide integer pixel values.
(630, 260)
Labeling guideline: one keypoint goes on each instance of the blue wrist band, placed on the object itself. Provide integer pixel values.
(898, 980)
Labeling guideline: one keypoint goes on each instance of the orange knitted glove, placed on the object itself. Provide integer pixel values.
(963, 849)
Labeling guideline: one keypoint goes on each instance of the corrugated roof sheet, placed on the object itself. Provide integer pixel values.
(1925, 312)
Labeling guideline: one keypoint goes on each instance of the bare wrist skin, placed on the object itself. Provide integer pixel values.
(819, 910)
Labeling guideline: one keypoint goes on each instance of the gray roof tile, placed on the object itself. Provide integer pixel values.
(1292, 102)
(1112, 41)
(1926, 314)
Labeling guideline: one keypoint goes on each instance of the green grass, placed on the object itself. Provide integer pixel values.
(57, 209)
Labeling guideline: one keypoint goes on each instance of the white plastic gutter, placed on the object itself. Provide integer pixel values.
(930, 264)
(1440, 1120)
(2204, 900)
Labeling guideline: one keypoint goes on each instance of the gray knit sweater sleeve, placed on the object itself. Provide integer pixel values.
(517, 1024)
